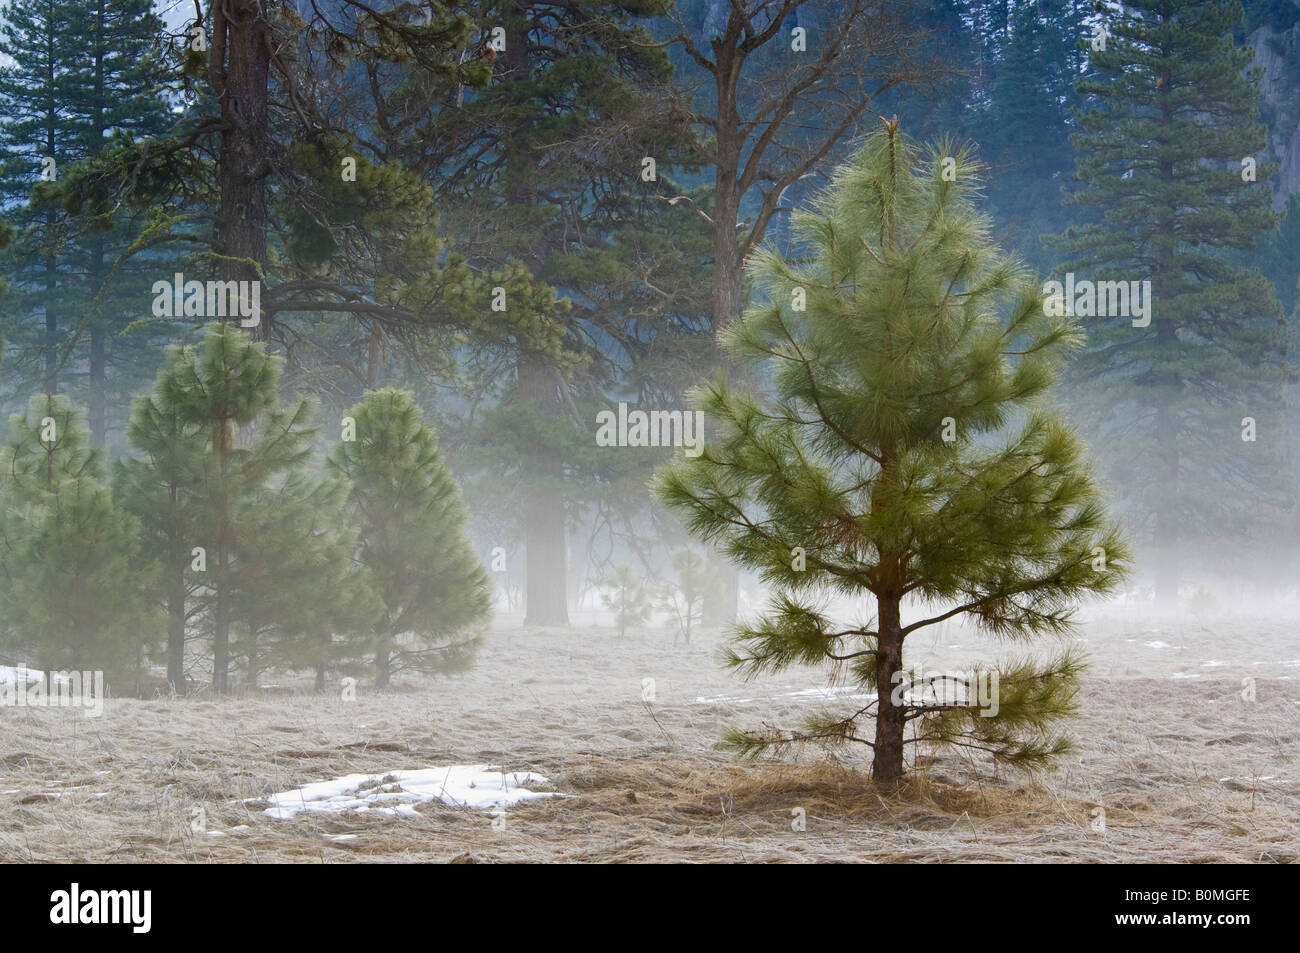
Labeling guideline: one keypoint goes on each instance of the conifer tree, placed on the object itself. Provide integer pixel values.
(37, 139)
(685, 598)
(548, 177)
(226, 383)
(78, 74)
(904, 453)
(72, 564)
(162, 489)
(627, 597)
(308, 602)
(1167, 158)
(410, 520)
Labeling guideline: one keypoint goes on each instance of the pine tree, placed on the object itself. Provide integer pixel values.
(1024, 122)
(407, 508)
(906, 453)
(1279, 256)
(115, 81)
(72, 565)
(36, 139)
(307, 601)
(627, 597)
(81, 73)
(685, 599)
(559, 138)
(1166, 158)
(227, 386)
(163, 490)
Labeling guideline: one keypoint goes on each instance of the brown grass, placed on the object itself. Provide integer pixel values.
(648, 782)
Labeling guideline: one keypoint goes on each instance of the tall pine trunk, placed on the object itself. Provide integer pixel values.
(546, 553)
(240, 67)
(222, 438)
(176, 625)
(1165, 541)
(51, 325)
(374, 356)
(97, 411)
(1168, 568)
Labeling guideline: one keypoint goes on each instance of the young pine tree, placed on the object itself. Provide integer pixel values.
(1166, 158)
(318, 611)
(226, 383)
(73, 571)
(685, 598)
(410, 520)
(163, 489)
(627, 597)
(903, 454)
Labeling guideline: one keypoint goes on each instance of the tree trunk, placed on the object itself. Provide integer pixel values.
(221, 617)
(51, 325)
(1165, 268)
(383, 669)
(545, 554)
(176, 627)
(887, 763)
(97, 412)
(240, 66)
(320, 676)
(1168, 568)
(374, 356)
(545, 545)
(254, 667)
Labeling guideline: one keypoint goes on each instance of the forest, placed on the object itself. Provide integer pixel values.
(371, 347)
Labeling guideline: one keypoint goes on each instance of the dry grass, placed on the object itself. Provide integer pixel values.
(647, 781)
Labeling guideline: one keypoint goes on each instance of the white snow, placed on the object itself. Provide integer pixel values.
(16, 674)
(397, 792)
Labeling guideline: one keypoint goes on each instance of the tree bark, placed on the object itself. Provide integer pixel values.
(1167, 531)
(176, 627)
(240, 68)
(254, 664)
(545, 544)
(97, 411)
(374, 355)
(51, 326)
(545, 552)
(383, 669)
(222, 437)
(887, 763)
(1165, 268)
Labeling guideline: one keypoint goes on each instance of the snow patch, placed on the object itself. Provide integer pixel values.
(22, 675)
(397, 792)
